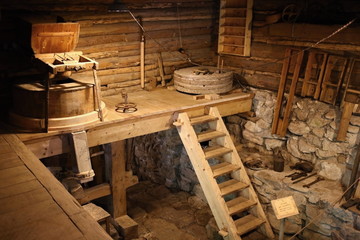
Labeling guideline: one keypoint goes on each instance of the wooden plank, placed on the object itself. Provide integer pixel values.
(208, 135)
(59, 194)
(43, 227)
(247, 223)
(231, 186)
(333, 78)
(290, 99)
(96, 192)
(215, 151)
(15, 175)
(5, 148)
(281, 91)
(248, 27)
(82, 155)
(19, 201)
(223, 168)
(9, 160)
(51, 146)
(345, 120)
(314, 74)
(90, 229)
(118, 188)
(29, 214)
(19, 188)
(239, 204)
(352, 88)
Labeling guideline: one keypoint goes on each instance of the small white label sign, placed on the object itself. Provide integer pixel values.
(284, 207)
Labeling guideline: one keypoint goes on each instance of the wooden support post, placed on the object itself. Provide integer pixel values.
(345, 120)
(142, 55)
(116, 155)
(82, 156)
(354, 175)
(97, 94)
(161, 69)
(47, 100)
(280, 123)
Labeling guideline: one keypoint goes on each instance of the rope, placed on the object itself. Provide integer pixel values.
(322, 213)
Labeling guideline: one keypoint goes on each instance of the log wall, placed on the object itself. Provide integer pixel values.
(269, 42)
(113, 39)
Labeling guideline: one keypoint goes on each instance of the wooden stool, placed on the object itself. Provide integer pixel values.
(99, 214)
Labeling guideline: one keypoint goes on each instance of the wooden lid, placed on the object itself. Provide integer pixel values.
(54, 37)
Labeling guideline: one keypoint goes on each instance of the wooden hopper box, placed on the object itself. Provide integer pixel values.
(56, 105)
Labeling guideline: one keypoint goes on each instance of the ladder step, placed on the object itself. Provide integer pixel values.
(216, 151)
(231, 186)
(239, 204)
(210, 134)
(223, 168)
(247, 223)
(202, 119)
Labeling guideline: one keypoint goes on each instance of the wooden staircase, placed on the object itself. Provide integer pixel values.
(226, 184)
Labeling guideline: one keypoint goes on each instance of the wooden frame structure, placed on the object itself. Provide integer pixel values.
(155, 113)
(235, 23)
(351, 98)
(33, 204)
(292, 64)
(314, 74)
(333, 78)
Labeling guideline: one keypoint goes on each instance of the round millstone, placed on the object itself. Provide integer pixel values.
(203, 80)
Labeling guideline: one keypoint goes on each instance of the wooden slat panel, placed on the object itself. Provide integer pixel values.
(19, 188)
(4, 148)
(9, 160)
(247, 223)
(14, 175)
(17, 202)
(28, 214)
(46, 228)
(64, 202)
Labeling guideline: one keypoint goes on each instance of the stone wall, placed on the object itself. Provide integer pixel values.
(315, 203)
(311, 137)
(311, 134)
(161, 158)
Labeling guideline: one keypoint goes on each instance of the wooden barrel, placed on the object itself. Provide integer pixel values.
(203, 80)
(66, 100)
(71, 104)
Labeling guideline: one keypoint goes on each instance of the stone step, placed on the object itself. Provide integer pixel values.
(208, 135)
(247, 223)
(239, 204)
(202, 119)
(231, 186)
(215, 151)
(223, 168)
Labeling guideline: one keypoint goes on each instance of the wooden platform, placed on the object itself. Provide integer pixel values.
(33, 204)
(155, 113)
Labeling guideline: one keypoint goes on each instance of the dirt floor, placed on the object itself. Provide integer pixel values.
(163, 214)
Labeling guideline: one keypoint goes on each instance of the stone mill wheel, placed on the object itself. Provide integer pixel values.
(203, 80)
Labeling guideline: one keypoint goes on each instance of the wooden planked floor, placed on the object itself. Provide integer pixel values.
(33, 204)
